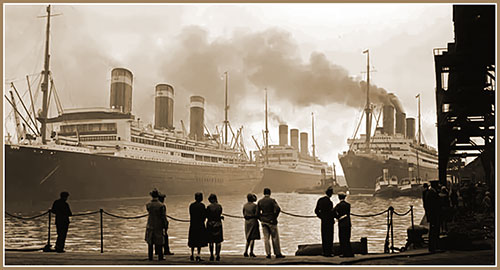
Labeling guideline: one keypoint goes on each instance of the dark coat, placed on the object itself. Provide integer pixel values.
(214, 223)
(61, 208)
(197, 231)
(157, 222)
(268, 210)
(251, 222)
(343, 210)
(433, 205)
(324, 209)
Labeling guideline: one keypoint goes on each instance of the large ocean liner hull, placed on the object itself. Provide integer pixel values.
(282, 180)
(34, 174)
(361, 172)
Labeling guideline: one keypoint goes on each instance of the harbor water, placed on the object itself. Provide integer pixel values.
(127, 235)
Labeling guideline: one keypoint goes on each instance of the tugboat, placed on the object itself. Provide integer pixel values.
(324, 184)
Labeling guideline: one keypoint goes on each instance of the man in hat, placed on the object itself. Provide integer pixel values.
(434, 213)
(343, 213)
(324, 211)
(155, 226)
(166, 247)
(60, 207)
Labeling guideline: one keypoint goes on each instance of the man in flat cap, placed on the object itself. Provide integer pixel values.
(324, 211)
(60, 207)
(343, 213)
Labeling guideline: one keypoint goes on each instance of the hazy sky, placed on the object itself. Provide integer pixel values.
(309, 56)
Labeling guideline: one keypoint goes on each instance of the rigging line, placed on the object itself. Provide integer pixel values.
(9, 81)
(56, 96)
(50, 174)
(26, 122)
(24, 106)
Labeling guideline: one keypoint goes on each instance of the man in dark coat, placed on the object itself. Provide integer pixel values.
(424, 199)
(343, 213)
(434, 213)
(61, 208)
(324, 211)
(268, 211)
(155, 226)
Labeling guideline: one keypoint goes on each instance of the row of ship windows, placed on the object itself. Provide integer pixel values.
(161, 144)
(88, 127)
(186, 155)
(97, 138)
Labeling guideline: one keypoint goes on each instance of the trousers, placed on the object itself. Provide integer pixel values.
(62, 231)
(327, 236)
(271, 231)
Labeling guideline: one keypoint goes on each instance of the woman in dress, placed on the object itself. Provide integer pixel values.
(197, 231)
(251, 224)
(214, 227)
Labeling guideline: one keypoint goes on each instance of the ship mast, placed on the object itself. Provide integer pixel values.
(313, 145)
(225, 111)
(45, 84)
(267, 134)
(367, 107)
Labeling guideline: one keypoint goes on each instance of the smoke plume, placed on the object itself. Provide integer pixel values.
(256, 60)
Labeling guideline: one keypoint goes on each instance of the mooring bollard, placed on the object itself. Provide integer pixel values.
(102, 234)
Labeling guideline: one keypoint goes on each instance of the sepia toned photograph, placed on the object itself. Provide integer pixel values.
(249, 134)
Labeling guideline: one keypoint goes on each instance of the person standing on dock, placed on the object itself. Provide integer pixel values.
(214, 227)
(268, 211)
(324, 211)
(166, 247)
(197, 231)
(60, 207)
(424, 199)
(433, 211)
(155, 226)
(252, 232)
(343, 213)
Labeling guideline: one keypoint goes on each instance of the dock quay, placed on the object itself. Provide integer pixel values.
(411, 257)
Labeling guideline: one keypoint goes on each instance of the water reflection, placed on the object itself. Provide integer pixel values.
(127, 235)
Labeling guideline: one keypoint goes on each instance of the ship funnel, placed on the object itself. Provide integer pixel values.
(388, 119)
(400, 123)
(164, 106)
(121, 90)
(294, 138)
(283, 130)
(304, 149)
(196, 120)
(410, 128)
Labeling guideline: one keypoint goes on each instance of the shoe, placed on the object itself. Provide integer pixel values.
(211, 258)
(268, 256)
(245, 254)
(252, 255)
(161, 259)
(327, 255)
(191, 258)
(280, 256)
(169, 253)
(217, 258)
(198, 259)
(60, 251)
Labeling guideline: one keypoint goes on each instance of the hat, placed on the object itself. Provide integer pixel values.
(154, 193)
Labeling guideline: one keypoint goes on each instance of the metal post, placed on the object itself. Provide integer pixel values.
(412, 223)
(102, 235)
(47, 246)
(391, 209)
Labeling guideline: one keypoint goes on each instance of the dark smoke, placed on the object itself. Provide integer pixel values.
(269, 59)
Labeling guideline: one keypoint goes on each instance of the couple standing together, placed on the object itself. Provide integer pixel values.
(267, 211)
(327, 213)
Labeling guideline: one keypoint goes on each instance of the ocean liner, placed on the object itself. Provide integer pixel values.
(286, 168)
(395, 150)
(109, 153)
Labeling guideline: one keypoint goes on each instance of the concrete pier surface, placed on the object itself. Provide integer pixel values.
(411, 257)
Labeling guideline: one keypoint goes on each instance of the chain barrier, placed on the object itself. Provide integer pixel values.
(389, 240)
(27, 218)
